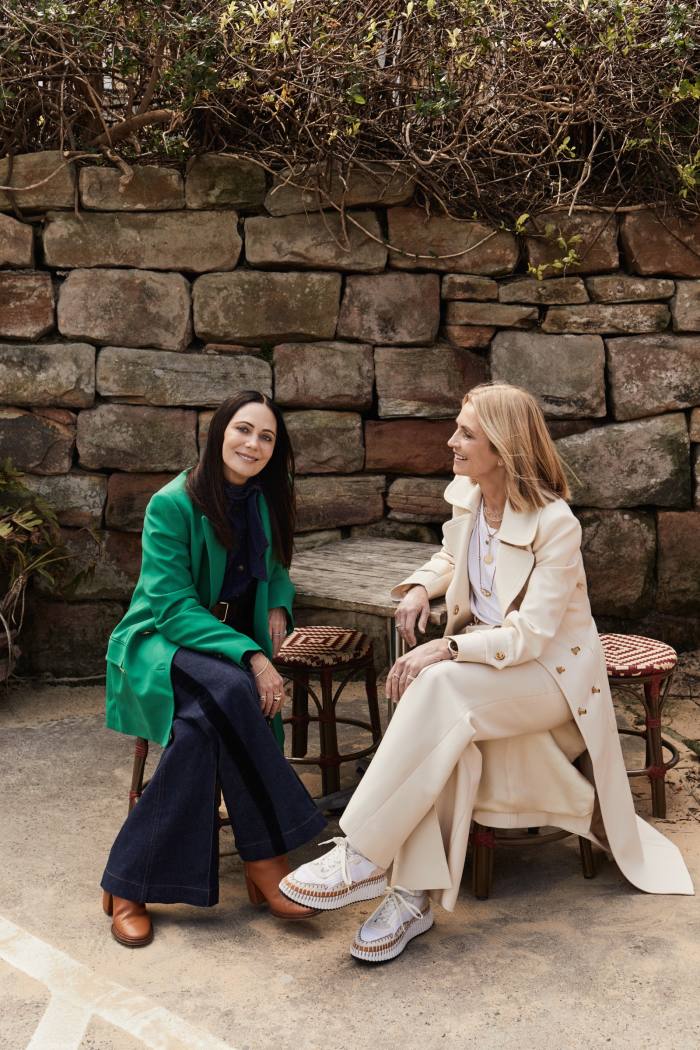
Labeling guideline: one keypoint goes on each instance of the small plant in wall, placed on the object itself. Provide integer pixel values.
(559, 265)
(30, 545)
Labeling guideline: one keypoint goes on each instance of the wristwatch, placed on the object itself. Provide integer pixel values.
(453, 647)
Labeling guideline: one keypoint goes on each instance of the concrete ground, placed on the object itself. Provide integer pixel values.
(550, 961)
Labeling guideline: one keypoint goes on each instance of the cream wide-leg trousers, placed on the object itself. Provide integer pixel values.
(413, 806)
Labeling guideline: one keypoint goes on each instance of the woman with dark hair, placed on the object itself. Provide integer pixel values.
(189, 666)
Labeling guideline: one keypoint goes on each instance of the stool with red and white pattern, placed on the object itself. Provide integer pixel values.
(631, 659)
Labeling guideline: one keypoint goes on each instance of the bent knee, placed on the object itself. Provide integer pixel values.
(431, 685)
(445, 671)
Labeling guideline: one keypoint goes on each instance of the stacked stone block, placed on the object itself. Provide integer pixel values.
(129, 310)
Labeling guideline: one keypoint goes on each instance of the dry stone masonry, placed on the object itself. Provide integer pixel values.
(130, 308)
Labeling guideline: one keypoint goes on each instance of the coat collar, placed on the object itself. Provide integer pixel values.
(517, 528)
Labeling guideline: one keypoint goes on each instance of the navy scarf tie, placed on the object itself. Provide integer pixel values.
(244, 517)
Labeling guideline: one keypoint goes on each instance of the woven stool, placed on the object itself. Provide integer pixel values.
(492, 826)
(484, 841)
(631, 659)
(322, 651)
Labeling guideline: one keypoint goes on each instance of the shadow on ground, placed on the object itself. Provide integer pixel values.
(550, 961)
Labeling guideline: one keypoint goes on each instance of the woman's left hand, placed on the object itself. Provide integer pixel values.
(277, 626)
(409, 666)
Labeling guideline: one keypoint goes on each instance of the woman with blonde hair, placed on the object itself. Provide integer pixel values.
(520, 658)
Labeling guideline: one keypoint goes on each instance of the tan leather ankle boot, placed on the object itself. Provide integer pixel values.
(131, 923)
(262, 878)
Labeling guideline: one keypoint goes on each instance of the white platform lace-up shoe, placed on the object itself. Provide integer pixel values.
(400, 917)
(341, 876)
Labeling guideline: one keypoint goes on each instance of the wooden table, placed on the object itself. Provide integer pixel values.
(357, 575)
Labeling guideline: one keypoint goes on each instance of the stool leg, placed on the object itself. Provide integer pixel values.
(655, 760)
(372, 701)
(330, 757)
(587, 862)
(483, 842)
(300, 715)
(140, 756)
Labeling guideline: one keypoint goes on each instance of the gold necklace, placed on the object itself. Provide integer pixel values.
(490, 518)
(488, 559)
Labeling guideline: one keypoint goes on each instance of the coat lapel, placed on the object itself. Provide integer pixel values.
(515, 557)
(216, 557)
(458, 529)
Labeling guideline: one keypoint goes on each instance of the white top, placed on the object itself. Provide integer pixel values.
(482, 544)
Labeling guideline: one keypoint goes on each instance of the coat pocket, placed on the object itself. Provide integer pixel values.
(116, 653)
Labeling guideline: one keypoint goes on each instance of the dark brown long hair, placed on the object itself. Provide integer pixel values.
(205, 483)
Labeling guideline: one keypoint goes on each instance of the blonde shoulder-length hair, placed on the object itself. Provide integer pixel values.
(513, 422)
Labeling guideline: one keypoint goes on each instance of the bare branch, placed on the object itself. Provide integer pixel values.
(132, 124)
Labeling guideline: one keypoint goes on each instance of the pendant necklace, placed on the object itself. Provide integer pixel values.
(488, 559)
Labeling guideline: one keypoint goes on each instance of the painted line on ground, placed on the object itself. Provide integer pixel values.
(62, 1027)
(78, 994)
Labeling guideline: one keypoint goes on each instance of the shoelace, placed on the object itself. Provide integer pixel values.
(392, 904)
(335, 858)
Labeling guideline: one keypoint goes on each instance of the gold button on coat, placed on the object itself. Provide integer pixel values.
(576, 650)
(595, 689)
(560, 670)
(456, 609)
(582, 711)
(499, 655)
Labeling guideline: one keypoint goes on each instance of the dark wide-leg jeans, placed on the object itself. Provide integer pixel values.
(167, 851)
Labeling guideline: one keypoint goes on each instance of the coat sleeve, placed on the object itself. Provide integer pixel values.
(526, 631)
(169, 587)
(435, 575)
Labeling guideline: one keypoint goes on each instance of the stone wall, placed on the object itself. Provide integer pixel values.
(128, 312)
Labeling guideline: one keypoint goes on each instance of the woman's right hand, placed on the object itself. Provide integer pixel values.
(413, 608)
(269, 683)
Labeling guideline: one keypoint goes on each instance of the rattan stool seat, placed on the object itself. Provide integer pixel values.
(323, 647)
(323, 652)
(632, 656)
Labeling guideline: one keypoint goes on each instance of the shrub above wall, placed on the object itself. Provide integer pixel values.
(122, 327)
(497, 108)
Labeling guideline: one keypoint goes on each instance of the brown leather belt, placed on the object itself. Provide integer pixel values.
(221, 611)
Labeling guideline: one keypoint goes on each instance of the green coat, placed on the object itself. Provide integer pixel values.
(182, 570)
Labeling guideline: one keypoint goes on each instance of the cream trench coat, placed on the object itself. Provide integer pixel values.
(541, 588)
